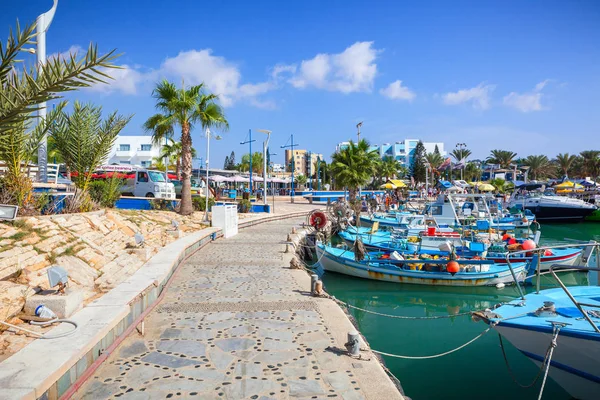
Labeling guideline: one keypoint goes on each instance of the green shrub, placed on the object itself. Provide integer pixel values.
(106, 192)
(199, 203)
(162, 204)
(244, 206)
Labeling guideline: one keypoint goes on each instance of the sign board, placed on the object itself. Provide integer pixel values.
(226, 218)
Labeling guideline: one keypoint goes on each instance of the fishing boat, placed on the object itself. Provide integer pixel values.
(437, 244)
(417, 271)
(568, 316)
(478, 211)
(549, 207)
(413, 223)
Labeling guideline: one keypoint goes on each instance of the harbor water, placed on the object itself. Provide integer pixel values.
(478, 371)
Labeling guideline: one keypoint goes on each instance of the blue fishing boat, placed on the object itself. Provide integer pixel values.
(430, 244)
(417, 271)
(565, 320)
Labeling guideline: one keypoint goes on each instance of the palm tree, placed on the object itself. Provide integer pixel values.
(460, 154)
(591, 163)
(84, 140)
(22, 92)
(501, 157)
(257, 163)
(385, 168)
(539, 166)
(352, 166)
(472, 172)
(184, 107)
(174, 151)
(301, 180)
(565, 162)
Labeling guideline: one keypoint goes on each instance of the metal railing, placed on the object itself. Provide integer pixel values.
(586, 254)
(577, 304)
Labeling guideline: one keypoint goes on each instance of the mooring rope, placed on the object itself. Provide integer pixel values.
(400, 316)
(434, 355)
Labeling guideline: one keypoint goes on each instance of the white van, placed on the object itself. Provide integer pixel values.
(148, 183)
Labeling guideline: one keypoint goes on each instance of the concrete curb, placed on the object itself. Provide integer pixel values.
(49, 368)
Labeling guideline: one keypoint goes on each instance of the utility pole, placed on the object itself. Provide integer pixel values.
(291, 146)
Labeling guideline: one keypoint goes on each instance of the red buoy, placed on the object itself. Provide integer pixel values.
(452, 267)
(528, 245)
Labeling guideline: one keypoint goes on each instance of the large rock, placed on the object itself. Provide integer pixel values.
(79, 271)
(12, 298)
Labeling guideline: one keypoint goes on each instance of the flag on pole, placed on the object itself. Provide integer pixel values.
(445, 165)
(461, 164)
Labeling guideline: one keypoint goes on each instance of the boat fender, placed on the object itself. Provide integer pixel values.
(396, 256)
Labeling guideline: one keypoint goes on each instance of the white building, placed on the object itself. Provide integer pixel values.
(133, 150)
(401, 151)
(278, 168)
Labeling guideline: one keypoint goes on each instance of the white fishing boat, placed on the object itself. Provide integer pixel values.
(557, 329)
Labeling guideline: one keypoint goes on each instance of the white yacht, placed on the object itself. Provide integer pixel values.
(549, 207)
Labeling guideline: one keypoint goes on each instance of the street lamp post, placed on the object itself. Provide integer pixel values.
(265, 145)
(318, 173)
(199, 166)
(217, 137)
(42, 24)
(291, 145)
(358, 133)
(249, 141)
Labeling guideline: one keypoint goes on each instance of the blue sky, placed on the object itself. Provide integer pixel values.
(515, 75)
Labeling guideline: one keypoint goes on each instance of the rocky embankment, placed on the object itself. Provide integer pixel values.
(97, 249)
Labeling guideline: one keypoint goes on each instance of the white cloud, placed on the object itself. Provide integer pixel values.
(528, 101)
(74, 49)
(124, 79)
(478, 96)
(396, 91)
(352, 70)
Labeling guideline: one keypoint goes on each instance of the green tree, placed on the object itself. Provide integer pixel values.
(18, 147)
(565, 162)
(471, 172)
(418, 169)
(436, 150)
(226, 162)
(173, 151)
(501, 157)
(84, 140)
(590, 163)
(539, 166)
(184, 107)
(460, 154)
(230, 162)
(301, 180)
(352, 166)
(499, 184)
(257, 163)
(21, 93)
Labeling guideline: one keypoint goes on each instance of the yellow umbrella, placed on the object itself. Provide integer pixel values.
(486, 187)
(569, 185)
(397, 182)
(387, 186)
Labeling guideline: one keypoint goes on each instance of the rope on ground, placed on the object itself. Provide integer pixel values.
(400, 316)
(434, 355)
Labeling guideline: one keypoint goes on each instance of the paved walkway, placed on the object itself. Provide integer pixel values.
(237, 323)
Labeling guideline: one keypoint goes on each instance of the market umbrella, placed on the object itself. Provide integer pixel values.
(568, 185)
(397, 182)
(486, 187)
(218, 178)
(240, 179)
(388, 186)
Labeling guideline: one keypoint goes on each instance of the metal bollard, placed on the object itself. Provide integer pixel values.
(293, 229)
(353, 345)
(313, 283)
(319, 288)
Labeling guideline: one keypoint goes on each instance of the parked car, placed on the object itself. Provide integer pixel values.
(196, 190)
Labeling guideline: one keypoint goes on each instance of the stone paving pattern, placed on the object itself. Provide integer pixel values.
(237, 323)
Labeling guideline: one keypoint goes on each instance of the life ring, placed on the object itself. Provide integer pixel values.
(318, 219)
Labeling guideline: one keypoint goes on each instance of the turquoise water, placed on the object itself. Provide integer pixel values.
(475, 372)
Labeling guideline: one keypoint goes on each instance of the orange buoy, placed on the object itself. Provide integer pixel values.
(452, 267)
(528, 245)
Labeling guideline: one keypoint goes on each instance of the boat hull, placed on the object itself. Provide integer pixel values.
(332, 263)
(559, 214)
(546, 261)
(574, 363)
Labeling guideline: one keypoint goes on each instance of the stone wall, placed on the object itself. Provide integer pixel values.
(97, 249)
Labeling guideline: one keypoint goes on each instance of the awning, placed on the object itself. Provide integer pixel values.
(397, 182)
